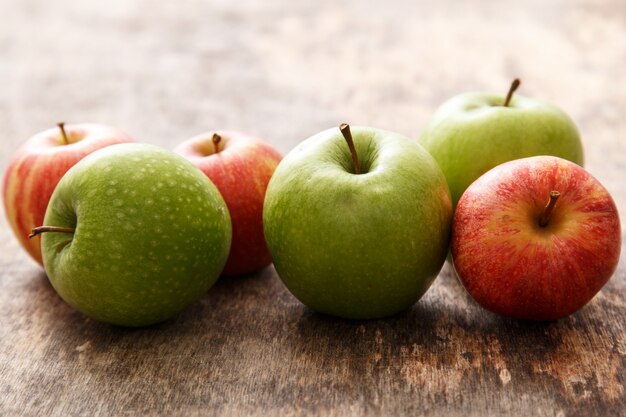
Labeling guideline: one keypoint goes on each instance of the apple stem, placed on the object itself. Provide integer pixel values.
(547, 212)
(63, 133)
(516, 82)
(345, 131)
(216, 140)
(44, 229)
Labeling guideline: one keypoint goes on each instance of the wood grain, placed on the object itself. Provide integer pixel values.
(165, 71)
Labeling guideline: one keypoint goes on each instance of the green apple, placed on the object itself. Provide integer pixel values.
(135, 234)
(358, 239)
(473, 132)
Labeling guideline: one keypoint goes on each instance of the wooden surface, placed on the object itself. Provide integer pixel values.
(164, 71)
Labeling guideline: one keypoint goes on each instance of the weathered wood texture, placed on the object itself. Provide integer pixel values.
(285, 70)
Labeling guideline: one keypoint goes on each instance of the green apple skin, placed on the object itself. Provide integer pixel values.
(358, 246)
(152, 234)
(473, 132)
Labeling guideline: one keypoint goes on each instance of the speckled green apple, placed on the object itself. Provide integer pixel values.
(473, 132)
(363, 245)
(146, 234)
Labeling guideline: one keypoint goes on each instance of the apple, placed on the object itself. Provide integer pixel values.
(240, 166)
(473, 132)
(535, 238)
(358, 231)
(134, 234)
(37, 167)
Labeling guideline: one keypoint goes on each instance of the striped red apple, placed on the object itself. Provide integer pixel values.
(240, 166)
(38, 165)
(535, 238)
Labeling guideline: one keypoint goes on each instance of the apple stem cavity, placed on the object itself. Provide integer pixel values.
(514, 85)
(61, 126)
(44, 229)
(547, 211)
(345, 131)
(216, 141)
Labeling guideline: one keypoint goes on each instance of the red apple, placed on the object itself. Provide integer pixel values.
(37, 167)
(241, 167)
(535, 238)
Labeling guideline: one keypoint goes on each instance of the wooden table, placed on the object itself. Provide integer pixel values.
(285, 70)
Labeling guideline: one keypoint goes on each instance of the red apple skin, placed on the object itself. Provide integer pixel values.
(36, 168)
(512, 266)
(241, 170)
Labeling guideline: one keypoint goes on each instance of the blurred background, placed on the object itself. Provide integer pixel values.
(163, 71)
